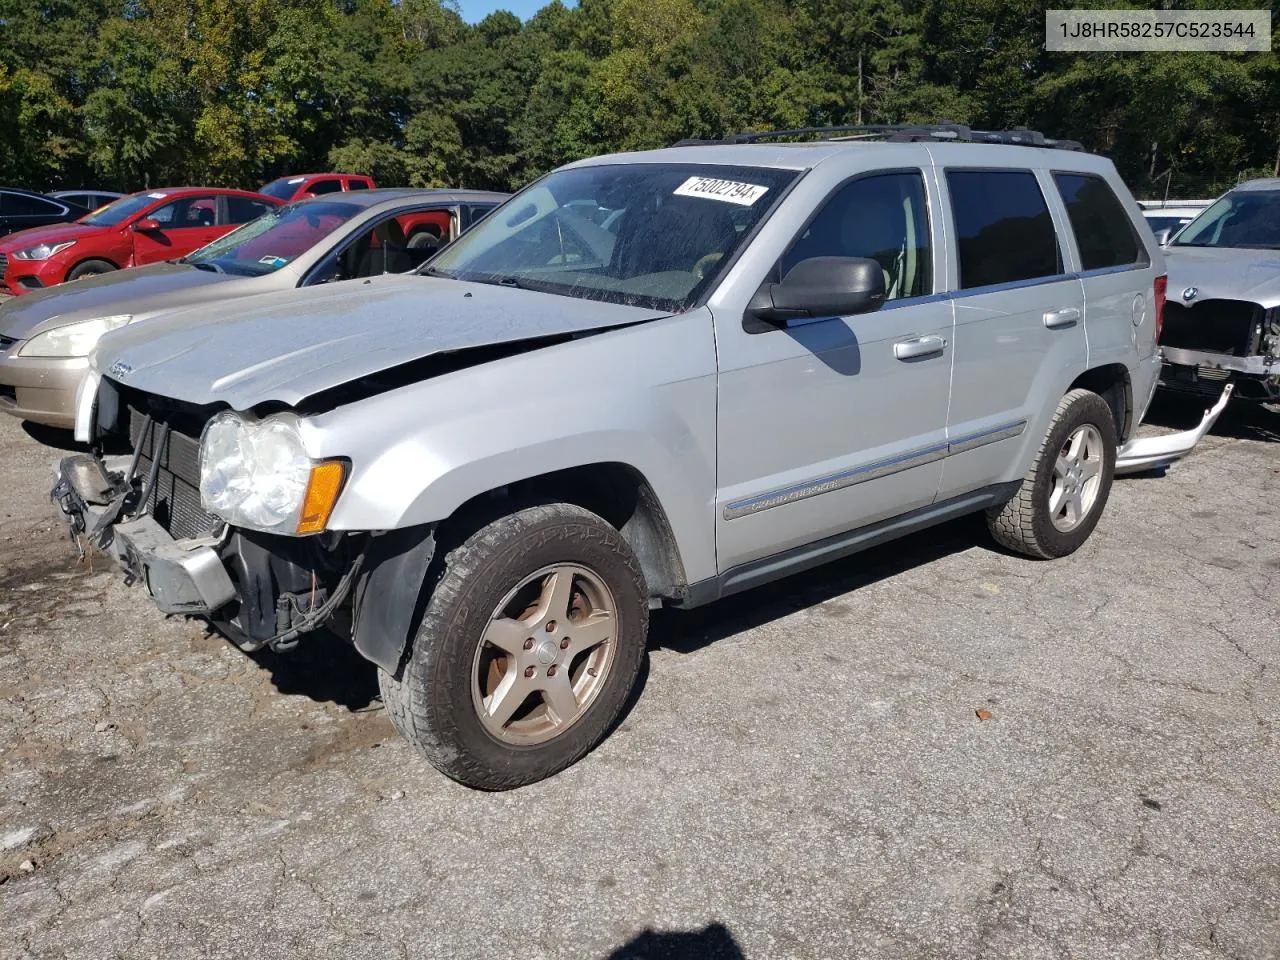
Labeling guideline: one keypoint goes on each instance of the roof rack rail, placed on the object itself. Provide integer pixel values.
(898, 133)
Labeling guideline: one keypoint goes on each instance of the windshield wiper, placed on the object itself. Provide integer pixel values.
(501, 280)
(205, 265)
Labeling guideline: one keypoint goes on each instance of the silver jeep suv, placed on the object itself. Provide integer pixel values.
(647, 379)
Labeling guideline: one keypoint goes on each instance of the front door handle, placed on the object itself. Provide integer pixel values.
(919, 347)
(1061, 319)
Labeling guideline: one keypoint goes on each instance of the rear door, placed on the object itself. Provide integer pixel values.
(1019, 320)
(1115, 269)
(233, 210)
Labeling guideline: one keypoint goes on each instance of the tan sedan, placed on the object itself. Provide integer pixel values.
(46, 337)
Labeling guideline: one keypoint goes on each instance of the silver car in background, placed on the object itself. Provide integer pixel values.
(46, 337)
(1222, 319)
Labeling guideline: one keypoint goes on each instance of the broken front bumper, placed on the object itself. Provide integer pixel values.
(1254, 365)
(1150, 453)
(182, 576)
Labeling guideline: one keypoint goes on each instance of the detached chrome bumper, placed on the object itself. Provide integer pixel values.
(182, 576)
(1151, 453)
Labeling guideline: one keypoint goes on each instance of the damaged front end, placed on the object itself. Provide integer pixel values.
(144, 510)
(1210, 343)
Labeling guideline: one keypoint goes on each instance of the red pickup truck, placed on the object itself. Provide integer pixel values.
(301, 185)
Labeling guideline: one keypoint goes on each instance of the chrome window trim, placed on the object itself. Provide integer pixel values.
(1104, 271)
(1012, 285)
(870, 471)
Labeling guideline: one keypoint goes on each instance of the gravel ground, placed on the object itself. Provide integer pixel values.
(805, 774)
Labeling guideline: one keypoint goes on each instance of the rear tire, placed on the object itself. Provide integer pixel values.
(528, 650)
(1062, 497)
(90, 268)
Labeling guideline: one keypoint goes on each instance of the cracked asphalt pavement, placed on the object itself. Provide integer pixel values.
(805, 774)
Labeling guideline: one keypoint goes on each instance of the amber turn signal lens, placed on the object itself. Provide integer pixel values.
(322, 493)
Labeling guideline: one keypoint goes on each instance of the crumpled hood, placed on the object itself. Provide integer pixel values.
(290, 345)
(53, 233)
(1226, 273)
(140, 292)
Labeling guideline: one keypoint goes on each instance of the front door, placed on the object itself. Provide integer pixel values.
(840, 422)
(186, 224)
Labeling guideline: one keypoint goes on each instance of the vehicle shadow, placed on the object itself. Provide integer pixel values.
(686, 631)
(327, 669)
(713, 942)
(324, 668)
(58, 438)
(1243, 419)
(54, 437)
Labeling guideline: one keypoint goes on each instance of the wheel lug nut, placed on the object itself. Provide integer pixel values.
(528, 644)
(564, 644)
(529, 671)
(551, 626)
(551, 670)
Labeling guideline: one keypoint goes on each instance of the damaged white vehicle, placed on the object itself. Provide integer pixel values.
(1222, 321)
(647, 379)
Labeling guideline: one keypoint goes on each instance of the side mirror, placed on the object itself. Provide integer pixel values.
(146, 225)
(820, 287)
(1164, 236)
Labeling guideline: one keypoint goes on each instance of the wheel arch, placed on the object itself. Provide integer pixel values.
(617, 492)
(83, 260)
(402, 565)
(1114, 385)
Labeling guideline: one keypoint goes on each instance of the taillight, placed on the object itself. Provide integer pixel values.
(1162, 285)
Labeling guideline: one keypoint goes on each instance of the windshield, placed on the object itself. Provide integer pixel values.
(1166, 223)
(282, 189)
(275, 239)
(649, 235)
(1242, 218)
(114, 214)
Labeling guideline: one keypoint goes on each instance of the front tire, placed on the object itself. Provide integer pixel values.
(1062, 497)
(528, 650)
(90, 268)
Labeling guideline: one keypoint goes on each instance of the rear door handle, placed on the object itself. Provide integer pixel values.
(919, 348)
(1061, 319)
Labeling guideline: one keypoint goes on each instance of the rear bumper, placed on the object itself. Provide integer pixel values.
(185, 577)
(39, 389)
(1151, 453)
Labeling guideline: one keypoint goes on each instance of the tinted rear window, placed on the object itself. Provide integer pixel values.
(1103, 232)
(1005, 231)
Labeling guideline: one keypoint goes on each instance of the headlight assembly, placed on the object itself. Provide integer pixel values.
(43, 251)
(255, 474)
(74, 339)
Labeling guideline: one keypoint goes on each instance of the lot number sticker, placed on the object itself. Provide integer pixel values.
(729, 191)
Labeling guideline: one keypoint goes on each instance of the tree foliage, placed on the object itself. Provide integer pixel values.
(134, 93)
